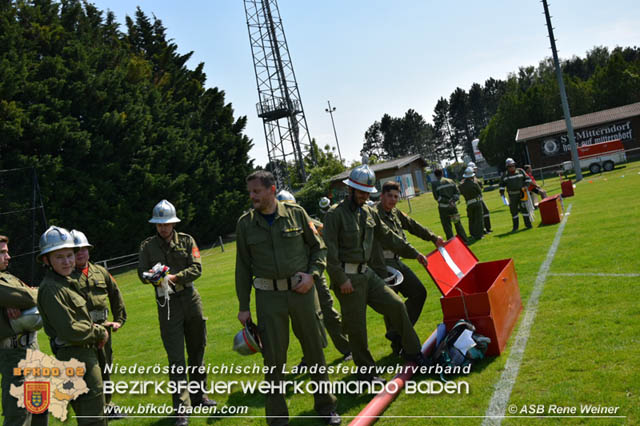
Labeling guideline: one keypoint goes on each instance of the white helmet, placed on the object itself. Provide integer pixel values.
(510, 162)
(468, 172)
(30, 320)
(324, 203)
(247, 341)
(55, 238)
(471, 164)
(285, 196)
(164, 212)
(395, 278)
(79, 239)
(362, 178)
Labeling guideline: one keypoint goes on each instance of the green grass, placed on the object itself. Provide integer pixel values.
(584, 346)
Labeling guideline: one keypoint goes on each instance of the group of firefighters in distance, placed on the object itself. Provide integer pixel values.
(282, 254)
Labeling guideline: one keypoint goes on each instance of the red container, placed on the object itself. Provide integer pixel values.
(551, 210)
(487, 293)
(567, 188)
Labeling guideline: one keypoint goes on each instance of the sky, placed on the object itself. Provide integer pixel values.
(374, 57)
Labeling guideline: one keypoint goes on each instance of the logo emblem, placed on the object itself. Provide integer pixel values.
(36, 396)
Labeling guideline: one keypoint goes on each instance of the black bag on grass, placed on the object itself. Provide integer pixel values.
(447, 354)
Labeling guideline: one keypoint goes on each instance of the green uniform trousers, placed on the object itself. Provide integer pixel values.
(412, 289)
(274, 308)
(474, 213)
(370, 289)
(448, 215)
(331, 317)
(14, 415)
(516, 206)
(105, 356)
(486, 216)
(185, 327)
(91, 403)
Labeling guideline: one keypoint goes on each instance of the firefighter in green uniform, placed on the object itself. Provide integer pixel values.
(486, 216)
(350, 228)
(515, 181)
(67, 321)
(280, 253)
(330, 317)
(472, 193)
(18, 324)
(101, 292)
(182, 322)
(411, 287)
(447, 195)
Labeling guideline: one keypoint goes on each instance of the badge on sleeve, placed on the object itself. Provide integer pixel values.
(195, 252)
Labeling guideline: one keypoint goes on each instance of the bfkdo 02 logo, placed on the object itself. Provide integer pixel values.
(36, 396)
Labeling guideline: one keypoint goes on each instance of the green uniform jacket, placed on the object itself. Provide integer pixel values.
(445, 191)
(290, 245)
(470, 189)
(14, 294)
(349, 234)
(397, 221)
(515, 182)
(64, 312)
(101, 291)
(181, 255)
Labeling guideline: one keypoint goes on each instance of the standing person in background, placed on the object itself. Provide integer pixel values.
(445, 192)
(534, 187)
(515, 181)
(486, 216)
(182, 322)
(68, 324)
(472, 194)
(101, 292)
(411, 288)
(18, 301)
(330, 317)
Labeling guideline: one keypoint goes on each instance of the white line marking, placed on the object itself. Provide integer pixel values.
(498, 405)
(593, 274)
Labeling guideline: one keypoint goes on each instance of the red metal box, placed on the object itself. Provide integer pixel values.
(487, 293)
(567, 188)
(551, 210)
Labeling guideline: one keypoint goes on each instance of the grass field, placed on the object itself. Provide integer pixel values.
(583, 346)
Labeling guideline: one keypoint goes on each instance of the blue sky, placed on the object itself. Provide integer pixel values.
(371, 57)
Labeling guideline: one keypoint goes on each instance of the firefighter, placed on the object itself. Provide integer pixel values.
(486, 216)
(515, 181)
(472, 194)
(182, 322)
(67, 321)
(101, 292)
(280, 253)
(350, 228)
(411, 287)
(18, 325)
(445, 192)
(330, 317)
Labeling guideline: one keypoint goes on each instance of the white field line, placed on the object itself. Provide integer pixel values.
(592, 274)
(502, 390)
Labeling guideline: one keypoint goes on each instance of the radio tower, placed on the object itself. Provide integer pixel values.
(280, 105)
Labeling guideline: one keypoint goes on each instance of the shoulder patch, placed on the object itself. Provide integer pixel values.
(195, 252)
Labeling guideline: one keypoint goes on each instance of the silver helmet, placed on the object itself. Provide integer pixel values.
(510, 162)
(30, 320)
(79, 239)
(164, 212)
(468, 172)
(362, 178)
(285, 196)
(247, 341)
(55, 238)
(395, 277)
(471, 164)
(324, 203)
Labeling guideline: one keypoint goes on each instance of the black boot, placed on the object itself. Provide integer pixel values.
(515, 224)
(487, 225)
(527, 222)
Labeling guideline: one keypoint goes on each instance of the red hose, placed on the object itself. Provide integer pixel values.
(381, 401)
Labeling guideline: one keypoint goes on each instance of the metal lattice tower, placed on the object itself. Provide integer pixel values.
(280, 105)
